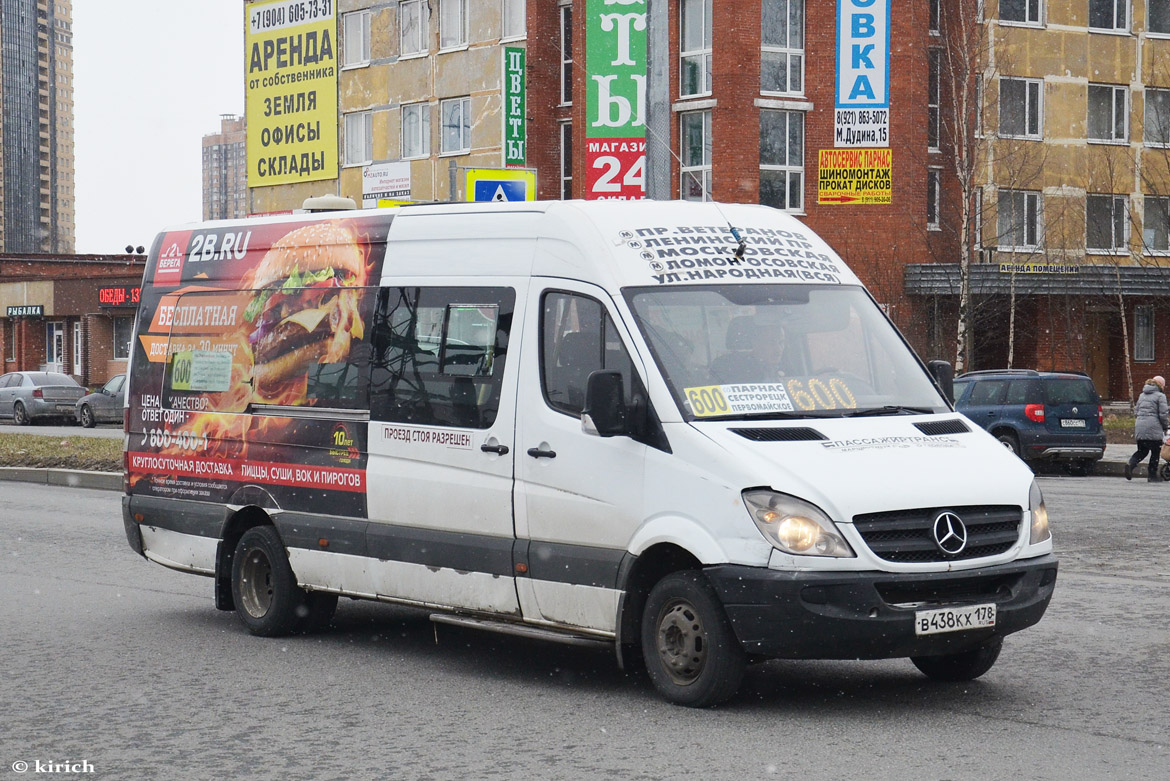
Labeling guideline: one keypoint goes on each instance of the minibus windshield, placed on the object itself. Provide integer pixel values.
(780, 351)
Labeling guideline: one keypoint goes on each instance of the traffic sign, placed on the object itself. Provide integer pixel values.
(501, 184)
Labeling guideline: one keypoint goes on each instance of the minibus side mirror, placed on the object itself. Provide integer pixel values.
(944, 377)
(605, 412)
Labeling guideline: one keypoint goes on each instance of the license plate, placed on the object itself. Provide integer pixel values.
(953, 619)
(64, 407)
(1072, 423)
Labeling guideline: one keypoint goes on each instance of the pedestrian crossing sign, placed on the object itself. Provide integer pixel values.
(501, 184)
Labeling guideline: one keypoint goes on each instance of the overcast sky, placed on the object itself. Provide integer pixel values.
(151, 78)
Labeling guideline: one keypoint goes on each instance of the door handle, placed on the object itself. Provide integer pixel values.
(498, 449)
(536, 452)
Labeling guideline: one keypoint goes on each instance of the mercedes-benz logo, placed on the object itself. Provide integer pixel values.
(950, 533)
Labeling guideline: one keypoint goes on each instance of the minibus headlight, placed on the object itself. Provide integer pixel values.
(795, 526)
(1040, 531)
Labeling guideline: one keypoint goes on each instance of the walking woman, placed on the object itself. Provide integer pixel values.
(1151, 417)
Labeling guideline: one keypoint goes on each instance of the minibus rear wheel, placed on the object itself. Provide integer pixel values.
(691, 652)
(264, 588)
(964, 666)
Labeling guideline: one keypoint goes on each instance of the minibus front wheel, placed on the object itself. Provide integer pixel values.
(691, 652)
(265, 591)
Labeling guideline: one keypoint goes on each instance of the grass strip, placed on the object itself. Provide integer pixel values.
(38, 451)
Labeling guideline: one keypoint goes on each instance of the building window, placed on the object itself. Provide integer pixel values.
(412, 37)
(1105, 223)
(1143, 333)
(55, 343)
(1158, 16)
(1108, 14)
(452, 23)
(782, 159)
(359, 143)
(456, 119)
(1021, 11)
(123, 334)
(416, 130)
(514, 23)
(1018, 221)
(77, 367)
(1020, 108)
(356, 40)
(11, 341)
(933, 195)
(1156, 225)
(566, 54)
(695, 49)
(782, 50)
(1108, 113)
(933, 114)
(1156, 128)
(696, 155)
(566, 161)
(934, 17)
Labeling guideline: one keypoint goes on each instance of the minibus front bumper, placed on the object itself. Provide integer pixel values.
(871, 615)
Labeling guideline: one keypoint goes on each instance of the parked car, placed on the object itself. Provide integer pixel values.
(103, 405)
(26, 396)
(1039, 416)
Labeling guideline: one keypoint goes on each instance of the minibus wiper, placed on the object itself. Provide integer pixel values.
(771, 415)
(889, 409)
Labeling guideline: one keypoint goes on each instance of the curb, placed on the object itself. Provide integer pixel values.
(71, 478)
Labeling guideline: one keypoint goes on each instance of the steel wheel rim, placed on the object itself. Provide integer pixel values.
(682, 642)
(256, 583)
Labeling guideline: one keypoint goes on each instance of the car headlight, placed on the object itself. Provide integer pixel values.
(1040, 531)
(795, 526)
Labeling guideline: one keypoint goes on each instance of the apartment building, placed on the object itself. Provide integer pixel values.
(225, 173)
(37, 187)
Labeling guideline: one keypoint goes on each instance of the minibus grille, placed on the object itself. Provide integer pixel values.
(907, 536)
(938, 428)
(796, 434)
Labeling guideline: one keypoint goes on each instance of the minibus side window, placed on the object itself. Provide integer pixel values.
(578, 338)
(438, 355)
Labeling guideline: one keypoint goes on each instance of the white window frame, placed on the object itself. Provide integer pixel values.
(1143, 333)
(1154, 204)
(359, 132)
(415, 120)
(513, 15)
(1033, 14)
(792, 49)
(1032, 114)
(934, 99)
(566, 152)
(1032, 203)
(792, 171)
(1118, 224)
(128, 342)
(702, 55)
(77, 368)
(565, 17)
(453, 25)
(934, 17)
(691, 169)
(1119, 8)
(1150, 18)
(416, 9)
(1150, 120)
(1118, 99)
(933, 197)
(356, 24)
(464, 109)
(53, 355)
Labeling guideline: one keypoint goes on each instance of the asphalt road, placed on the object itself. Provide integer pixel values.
(116, 662)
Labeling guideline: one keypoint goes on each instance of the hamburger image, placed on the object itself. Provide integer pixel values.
(305, 310)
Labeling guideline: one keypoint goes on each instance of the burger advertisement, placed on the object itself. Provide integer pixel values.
(250, 344)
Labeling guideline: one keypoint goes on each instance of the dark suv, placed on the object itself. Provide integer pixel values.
(1039, 416)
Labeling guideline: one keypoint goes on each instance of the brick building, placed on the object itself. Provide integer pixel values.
(68, 313)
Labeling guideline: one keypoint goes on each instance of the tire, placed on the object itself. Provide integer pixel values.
(20, 415)
(691, 653)
(87, 418)
(1082, 467)
(965, 666)
(264, 589)
(1010, 441)
(1164, 471)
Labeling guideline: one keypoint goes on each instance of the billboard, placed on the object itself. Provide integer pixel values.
(862, 110)
(615, 110)
(290, 91)
(515, 107)
(854, 176)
